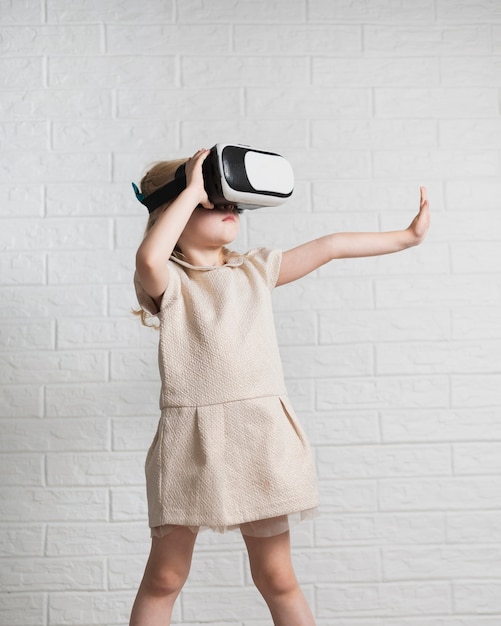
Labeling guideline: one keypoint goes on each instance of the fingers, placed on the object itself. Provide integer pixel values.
(424, 197)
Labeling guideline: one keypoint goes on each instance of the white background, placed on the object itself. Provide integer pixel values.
(393, 364)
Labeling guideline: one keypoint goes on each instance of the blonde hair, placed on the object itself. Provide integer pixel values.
(157, 176)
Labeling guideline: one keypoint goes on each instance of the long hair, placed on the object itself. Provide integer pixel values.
(157, 176)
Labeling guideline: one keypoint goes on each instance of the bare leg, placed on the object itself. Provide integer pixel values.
(165, 574)
(274, 576)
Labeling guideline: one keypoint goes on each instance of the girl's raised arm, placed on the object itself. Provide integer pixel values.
(159, 242)
(309, 256)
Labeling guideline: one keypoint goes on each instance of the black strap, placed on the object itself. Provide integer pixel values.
(167, 192)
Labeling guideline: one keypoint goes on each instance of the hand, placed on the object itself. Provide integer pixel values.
(421, 223)
(194, 176)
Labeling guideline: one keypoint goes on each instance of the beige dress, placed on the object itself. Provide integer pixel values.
(229, 450)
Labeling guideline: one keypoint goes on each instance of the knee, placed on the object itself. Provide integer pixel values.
(165, 581)
(276, 580)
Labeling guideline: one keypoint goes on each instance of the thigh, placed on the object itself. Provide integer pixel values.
(269, 553)
(173, 552)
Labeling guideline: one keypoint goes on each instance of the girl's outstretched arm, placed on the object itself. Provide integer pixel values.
(309, 256)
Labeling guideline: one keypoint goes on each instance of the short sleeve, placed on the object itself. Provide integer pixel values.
(147, 303)
(267, 262)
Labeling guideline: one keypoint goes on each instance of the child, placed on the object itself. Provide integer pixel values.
(229, 451)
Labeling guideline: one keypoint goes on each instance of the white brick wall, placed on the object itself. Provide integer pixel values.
(392, 363)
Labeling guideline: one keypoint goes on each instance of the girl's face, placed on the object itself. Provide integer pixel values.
(210, 228)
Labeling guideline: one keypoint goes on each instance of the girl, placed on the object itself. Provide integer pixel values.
(229, 451)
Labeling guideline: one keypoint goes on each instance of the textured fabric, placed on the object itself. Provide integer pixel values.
(228, 449)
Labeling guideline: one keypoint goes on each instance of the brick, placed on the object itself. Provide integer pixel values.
(341, 427)
(427, 40)
(457, 357)
(383, 461)
(100, 198)
(459, 424)
(338, 566)
(60, 12)
(386, 600)
(466, 11)
(21, 73)
(472, 133)
(125, 572)
(27, 335)
(41, 39)
(461, 193)
(55, 167)
(374, 72)
(436, 103)
(105, 332)
(331, 293)
(477, 458)
(21, 469)
(294, 328)
(66, 104)
(154, 39)
(380, 11)
(479, 71)
(457, 291)
(474, 527)
(94, 468)
(96, 539)
(121, 70)
(56, 234)
(301, 227)
(127, 365)
(48, 302)
(133, 433)
(479, 257)
(322, 361)
(243, 71)
(275, 135)
(476, 323)
(435, 165)
(439, 494)
(25, 268)
(383, 326)
(223, 11)
(17, 136)
(101, 608)
(378, 529)
(375, 133)
(84, 268)
(486, 226)
(53, 504)
(21, 401)
(89, 136)
(22, 540)
(128, 504)
(415, 563)
(348, 496)
(53, 367)
(482, 391)
(160, 104)
(23, 609)
(477, 597)
(106, 399)
(316, 102)
(372, 195)
(230, 604)
(35, 435)
(389, 392)
(56, 574)
(297, 39)
(21, 200)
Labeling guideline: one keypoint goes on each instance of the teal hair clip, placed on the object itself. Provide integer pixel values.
(140, 196)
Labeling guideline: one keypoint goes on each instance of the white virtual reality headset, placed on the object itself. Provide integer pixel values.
(233, 174)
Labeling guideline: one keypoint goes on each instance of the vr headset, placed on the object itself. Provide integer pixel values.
(233, 174)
